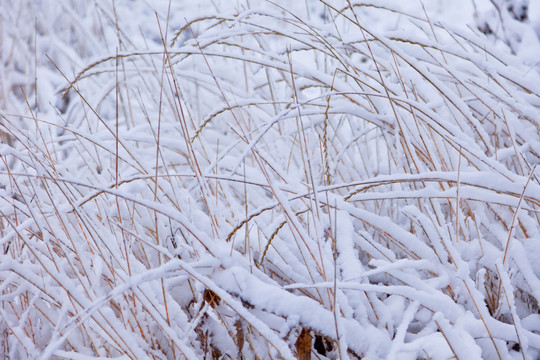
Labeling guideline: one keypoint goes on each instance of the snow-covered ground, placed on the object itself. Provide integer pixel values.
(260, 179)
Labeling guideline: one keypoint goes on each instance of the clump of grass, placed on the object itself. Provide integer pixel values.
(272, 182)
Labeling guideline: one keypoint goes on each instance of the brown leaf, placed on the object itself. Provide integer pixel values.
(303, 345)
(211, 298)
(239, 335)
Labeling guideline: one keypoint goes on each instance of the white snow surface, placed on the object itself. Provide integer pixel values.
(324, 179)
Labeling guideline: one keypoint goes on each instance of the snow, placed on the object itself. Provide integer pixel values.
(211, 179)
